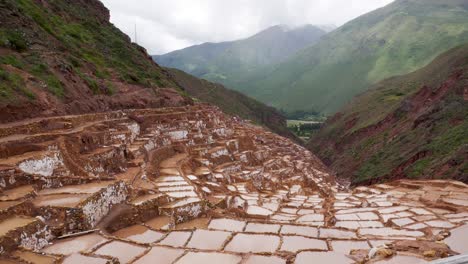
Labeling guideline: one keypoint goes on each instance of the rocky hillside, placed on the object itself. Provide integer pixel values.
(397, 39)
(232, 102)
(413, 126)
(64, 57)
(232, 63)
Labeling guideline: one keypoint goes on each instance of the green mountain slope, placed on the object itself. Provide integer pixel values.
(65, 57)
(232, 102)
(232, 63)
(61, 57)
(412, 126)
(394, 40)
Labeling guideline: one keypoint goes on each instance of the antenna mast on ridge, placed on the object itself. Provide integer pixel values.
(136, 39)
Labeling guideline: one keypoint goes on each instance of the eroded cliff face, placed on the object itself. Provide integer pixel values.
(189, 184)
(412, 126)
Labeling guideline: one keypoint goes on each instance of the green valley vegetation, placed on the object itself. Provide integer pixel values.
(304, 123)
(304, 129)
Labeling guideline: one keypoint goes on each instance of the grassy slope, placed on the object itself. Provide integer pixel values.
(61, 54)
(232, 63)
(232, 102)
(57, 42)
(393, 40)
(389, 127)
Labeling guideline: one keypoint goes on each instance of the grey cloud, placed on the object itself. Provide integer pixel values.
(166, 25)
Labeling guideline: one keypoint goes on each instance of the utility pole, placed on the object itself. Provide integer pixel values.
(136, 36)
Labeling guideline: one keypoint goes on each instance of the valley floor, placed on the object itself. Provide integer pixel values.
(192, 185)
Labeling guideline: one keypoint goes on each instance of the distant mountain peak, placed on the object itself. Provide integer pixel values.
(283, 27)
(232, 62)
(287, 28)
(327, 27)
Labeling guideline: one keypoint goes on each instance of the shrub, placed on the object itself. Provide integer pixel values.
(14, 40)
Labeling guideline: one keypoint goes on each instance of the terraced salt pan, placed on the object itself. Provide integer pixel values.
(204, 257)
(81, 259)
(171, 183)
(399, 259)
(177, 189)
(358, 224)
(245, 243)
(6, 205)
(60, 200)
(357, 216)
(170, 171)
(346, 246)
(186, 201)
(259, 211)
(176, 239)
(299, 230)
(159, 223)
(283, 218)
(297, 243)
(17, 193)
(227, 224)
(259, 259)
(78, 189)
(74, 245)
(192, 177)
(458, 240)
(139, 234)
(197, 223)
(207, 239)
(170, 179)
(389, 232)
(322, 257)
(311, 218)
(144, 198)
(302, 211)
(173, 161)
(13, 223)
(181, 194)
(200, 171)
(35, 258)
(458, 202)
(162, 254)
(336, 233)
(262, 228)
(124, 252)
(440, 224)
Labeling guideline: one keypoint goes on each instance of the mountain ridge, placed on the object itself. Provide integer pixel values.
(233, 62)
(393, 40)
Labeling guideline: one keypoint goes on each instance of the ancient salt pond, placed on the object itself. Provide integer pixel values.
(192, 185)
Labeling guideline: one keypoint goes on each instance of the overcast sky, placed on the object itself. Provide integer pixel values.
(167, 25)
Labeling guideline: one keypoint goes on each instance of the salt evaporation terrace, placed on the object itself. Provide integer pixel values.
(192, 185)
